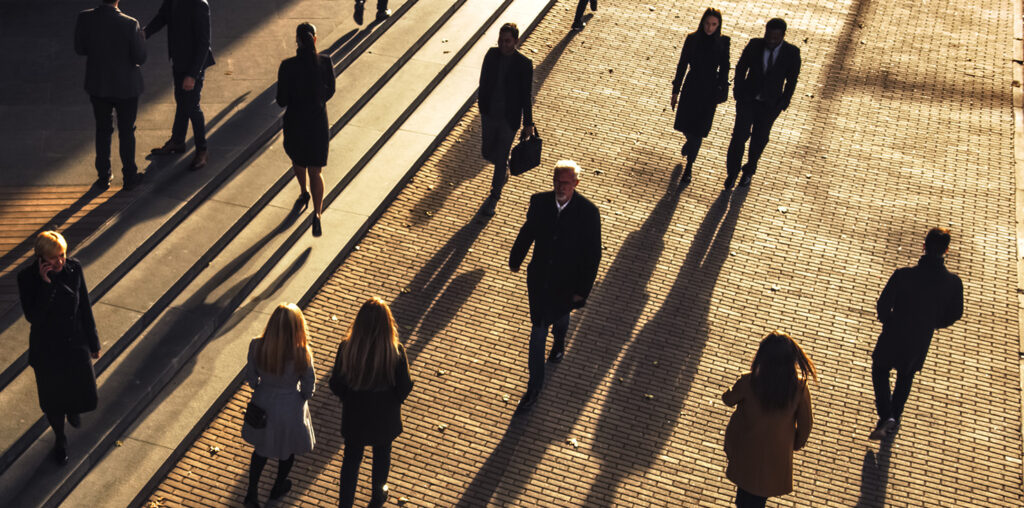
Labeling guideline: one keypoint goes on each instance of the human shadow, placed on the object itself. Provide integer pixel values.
(591, 351)
(874, 476)
(468, 148)
(655, 374)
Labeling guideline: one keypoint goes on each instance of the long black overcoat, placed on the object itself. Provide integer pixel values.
(372, 417)
(304, 91)
(566, 254)
(915, 302)
(706, 84)
(518, 87)
(61, 337)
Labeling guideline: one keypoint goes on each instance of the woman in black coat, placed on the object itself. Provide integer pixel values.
(371, 377)
(62, 337)
(304, 84)
(706, 53)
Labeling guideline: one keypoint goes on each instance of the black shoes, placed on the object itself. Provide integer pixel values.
(103, 181)
(317, 230)
(199, 161)
(593, 5)
(687, 177)
(729, 182)
(75, 420)
(169, 148)
(379, 497)
(490, 206)
(527, 402)
(556, 356)
(251, 502)
(745, 181)
(280, 489)
(382, 15)
(884, 430)
(133, 181)
(578, 26)
(358, 16)
(60, 451)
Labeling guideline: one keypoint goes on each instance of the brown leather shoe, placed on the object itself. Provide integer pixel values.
(168, 149)
(199, 162)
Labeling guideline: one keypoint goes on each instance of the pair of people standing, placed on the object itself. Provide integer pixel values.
(765, 79)
(370, 377)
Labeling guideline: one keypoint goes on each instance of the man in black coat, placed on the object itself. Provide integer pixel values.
(188, 47)
(765, 79)
(915, 302)
(114, 47)
(565, 230)
(505, 97)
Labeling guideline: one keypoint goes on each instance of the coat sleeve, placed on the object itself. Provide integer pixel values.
(484, 93)
(804, 418)
(84, 314)
(252, 375)
(953, 307)
(282, 86)
(80, 46)
(337, 382)
(403, 380)
(307, 383)
(329, 79)
(138, 46)
(723, 70)
(524, 239)
(791, 78)
(739, 83)
(592, 249)
(202, 35)
(527, 92)
(684, 60)
(887, 299)
(159, 21)
(36, 296)
(734, 395)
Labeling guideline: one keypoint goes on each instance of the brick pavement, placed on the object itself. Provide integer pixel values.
(883, 140)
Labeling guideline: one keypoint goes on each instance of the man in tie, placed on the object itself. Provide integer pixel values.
(764, 83)
(565, 230)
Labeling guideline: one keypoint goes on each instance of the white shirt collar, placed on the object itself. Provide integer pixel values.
(562, 207)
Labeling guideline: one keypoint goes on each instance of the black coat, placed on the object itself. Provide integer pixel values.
(372, 417)
(305, 90)
(114, 47)
(777, 86)
(566, 254)
(518, 88)
(188, 34)
(706, 84)
(915, 302)
(61, 337)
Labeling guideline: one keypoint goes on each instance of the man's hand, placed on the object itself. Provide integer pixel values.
(95, 355)
(675, 100)
(515, 269)
(188, 83)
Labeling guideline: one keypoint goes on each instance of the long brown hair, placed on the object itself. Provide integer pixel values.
(370, 352)
(780, 369)
(285, 339)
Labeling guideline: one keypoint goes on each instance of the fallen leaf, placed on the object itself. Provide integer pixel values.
(648, 396)
(214, 450)
(402, 501)
(505, 398)
(441, 372)
(118, 443)
(573, 442)
(783, 209)
(442, 427)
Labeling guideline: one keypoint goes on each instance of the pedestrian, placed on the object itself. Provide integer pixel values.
(706, 54)
(371, 378)
(771, 421)
(916, 301)
(305, 82)
(506, 96)
(114, 48)
(763, 87)
(280, 371)
(382, 11)
(62, 340)
(577, 20)
(565, 230)
(188, 46)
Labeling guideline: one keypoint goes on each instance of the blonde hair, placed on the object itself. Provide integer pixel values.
(569, 165)
(370, 352)
(50, 243)
(285, 339)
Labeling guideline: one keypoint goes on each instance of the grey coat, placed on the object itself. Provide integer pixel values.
(114, 47)
(289, 427)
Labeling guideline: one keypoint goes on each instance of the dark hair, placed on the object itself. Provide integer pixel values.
(937, 241)
(711, 11)
(511, 28)
(305, 34)
(773, 374)
(776, 24)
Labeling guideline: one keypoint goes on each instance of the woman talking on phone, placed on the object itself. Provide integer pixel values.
(62, 340)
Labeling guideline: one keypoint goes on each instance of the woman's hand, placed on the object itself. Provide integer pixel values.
(45, 267)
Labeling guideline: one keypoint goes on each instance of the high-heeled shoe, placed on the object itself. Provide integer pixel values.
(317, 231)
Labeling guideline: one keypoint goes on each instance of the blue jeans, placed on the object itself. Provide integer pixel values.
(538, 340)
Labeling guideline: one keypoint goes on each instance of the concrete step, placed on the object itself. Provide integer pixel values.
(378, 142)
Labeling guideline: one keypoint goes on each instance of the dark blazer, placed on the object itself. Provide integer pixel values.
(61, 336)
(372, 417)
(566, 254)
(305, 90)
(188, 34)
(519, 87)
(915, 302)
(777, 86)
(114, 47)
(706, 84)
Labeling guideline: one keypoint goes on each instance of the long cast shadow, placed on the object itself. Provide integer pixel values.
(662, 359)
(594, 346)
(874, 477)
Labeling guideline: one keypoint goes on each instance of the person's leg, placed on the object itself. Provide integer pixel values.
(578, 19)
(559, 329)
(255, 471)
(195, 113)
(535, 358)
(349, 474)
(504, 136)
(282, 484)
(740, 135)
(102, 111)
(127, 110)
(900, 393)
(182, 107)
(379, 476)
(880, 379)
(764, 118)
(693, 147)
(745, 499)
(56, 421)
(316, 186)
(300, 176)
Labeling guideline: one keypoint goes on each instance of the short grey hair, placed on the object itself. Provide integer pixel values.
(570, 165)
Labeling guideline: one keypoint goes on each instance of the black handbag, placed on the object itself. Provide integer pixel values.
(255, 416)
(526, 155)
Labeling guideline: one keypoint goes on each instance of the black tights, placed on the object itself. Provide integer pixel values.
(57, 424)
(691, 148)
(350, 470)
(284, 466)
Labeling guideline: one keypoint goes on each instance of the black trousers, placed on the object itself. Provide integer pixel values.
(890, 405)
(103, 109)
(580, 7)
(498, 137)
(745, 499)
(350, 470)
(754, 120)
(188, 109)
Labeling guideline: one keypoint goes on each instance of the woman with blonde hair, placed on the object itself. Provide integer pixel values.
(280, 371)
(771, 421)
(371, 377)
(62, 336)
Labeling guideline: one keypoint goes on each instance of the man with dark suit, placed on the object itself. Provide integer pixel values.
(188, 47)
(915, 302)
(565, 230)
(764, 83)
(505, 97)
(114, 47)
